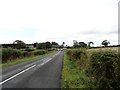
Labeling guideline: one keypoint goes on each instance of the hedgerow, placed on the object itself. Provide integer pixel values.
(9, 54)
(102, 67)
(40, 52)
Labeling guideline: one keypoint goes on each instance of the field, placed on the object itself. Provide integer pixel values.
(116, 49)
(91, 68)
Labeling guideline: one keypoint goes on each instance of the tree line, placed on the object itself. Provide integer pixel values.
(18, 44)
(83, 44)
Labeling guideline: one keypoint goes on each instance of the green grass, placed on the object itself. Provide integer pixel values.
(17, 61)
(72, 76)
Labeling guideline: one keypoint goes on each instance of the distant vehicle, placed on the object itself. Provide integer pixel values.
(61, 49)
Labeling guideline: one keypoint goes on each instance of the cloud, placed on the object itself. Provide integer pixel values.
(113, 32)
(64, 20)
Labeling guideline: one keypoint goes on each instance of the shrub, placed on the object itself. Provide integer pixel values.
(27, 54)
(50, 49)
(29, 49)
(39, 52)
(102, 67)
(9, 54)
(13, 54)
(75, 54)
(69, 52)
(17, 54)
(105, 69)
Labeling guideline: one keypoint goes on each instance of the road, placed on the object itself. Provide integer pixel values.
(43, 72)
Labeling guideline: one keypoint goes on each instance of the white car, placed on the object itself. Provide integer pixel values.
(61, 49)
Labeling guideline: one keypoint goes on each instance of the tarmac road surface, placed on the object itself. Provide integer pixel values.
(43, 72)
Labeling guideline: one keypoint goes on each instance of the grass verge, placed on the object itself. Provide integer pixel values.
(72, 76)
(17, 61)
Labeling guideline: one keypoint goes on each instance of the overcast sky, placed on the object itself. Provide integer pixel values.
(59, 20)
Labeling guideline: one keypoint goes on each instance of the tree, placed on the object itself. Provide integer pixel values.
(62, 44)
(75, 43)
(89, 43)
(66, 46)
(19, 44)
(54, 43)
(105, 43)
(48, 45)
(44, 45)
(82, 44)
(35, 44)
(40, 46)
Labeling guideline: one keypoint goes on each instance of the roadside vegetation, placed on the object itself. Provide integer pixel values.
(19, 51)
(91, 68)
(12, 56)
(73, 76)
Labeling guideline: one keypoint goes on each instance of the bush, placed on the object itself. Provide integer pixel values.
(40, 52)
(102, 67)
(9, 54)
(17, 54)
(69, 52)
(29, 49)
(75, 54)
(13, 54)
(105, 69)
(50, 49)
(27, 54)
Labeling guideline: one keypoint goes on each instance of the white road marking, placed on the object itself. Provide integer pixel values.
(41, 64)
(10, 72)
(16, 75)
(45, 61)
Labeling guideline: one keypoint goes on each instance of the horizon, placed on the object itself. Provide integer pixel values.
(67, 45)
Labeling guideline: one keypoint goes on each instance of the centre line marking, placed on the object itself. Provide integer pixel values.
(16, 75)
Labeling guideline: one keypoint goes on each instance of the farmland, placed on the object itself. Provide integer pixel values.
(106, 48)
(91, 68)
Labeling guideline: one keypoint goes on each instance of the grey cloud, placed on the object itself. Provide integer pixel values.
(98, 32)
(91, 32)
(113, 32)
